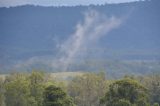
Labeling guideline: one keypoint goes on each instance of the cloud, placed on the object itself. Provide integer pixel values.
(94, 27)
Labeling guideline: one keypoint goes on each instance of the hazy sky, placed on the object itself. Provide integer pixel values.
(8, 3)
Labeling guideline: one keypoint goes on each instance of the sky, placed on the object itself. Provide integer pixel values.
(12, 3)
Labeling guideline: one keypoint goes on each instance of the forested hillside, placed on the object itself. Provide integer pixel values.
(35, 37)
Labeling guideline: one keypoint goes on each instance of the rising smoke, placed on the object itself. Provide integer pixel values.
(94, 26)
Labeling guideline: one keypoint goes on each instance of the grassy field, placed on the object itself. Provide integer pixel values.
(65, 75)
(57, 75)
(3, 76)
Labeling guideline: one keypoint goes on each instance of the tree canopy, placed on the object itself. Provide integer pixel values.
(126, 92)
(55, 96)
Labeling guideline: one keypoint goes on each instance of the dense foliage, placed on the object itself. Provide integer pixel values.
(89, 89)
(126, 92)
(55, 96)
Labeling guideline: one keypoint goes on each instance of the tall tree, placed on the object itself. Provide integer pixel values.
(87, 89)
(36, 85)
(126, 92)
(55, 96)
(152, 82)
(2, 90)
(17, 90)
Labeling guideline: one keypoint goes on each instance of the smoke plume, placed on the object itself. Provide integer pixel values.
(94, 26)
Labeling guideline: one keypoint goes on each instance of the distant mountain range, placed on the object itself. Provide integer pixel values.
(32, 37)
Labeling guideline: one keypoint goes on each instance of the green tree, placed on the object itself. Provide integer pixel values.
(87, 89)
(2, 90)
(36, 85)
(153, 85)
(126, 92)
(55, 96)
(17, 90)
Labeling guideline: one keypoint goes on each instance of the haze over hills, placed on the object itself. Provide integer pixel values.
(114, 37)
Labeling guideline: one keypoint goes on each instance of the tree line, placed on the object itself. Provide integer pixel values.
(90, 89)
